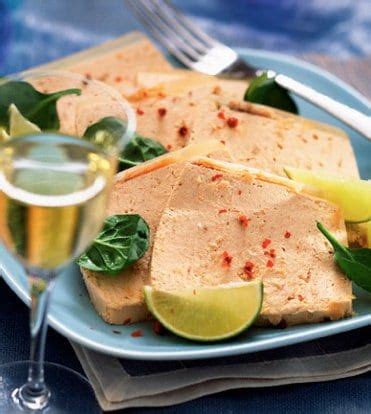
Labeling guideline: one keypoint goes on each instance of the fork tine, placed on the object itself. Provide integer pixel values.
(187, 43)
(167, 26)
(189, 26)
(211, 54)
(157, 34)
(167, 13)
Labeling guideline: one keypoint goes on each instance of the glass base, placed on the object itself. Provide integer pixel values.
(70, 392)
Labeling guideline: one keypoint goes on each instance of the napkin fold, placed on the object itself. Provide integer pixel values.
(123, 383)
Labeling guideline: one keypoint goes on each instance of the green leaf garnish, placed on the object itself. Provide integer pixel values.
(39, 108)
(139, 150)
(266, 91)
(106, 132)
(355, 263)
(123, 240)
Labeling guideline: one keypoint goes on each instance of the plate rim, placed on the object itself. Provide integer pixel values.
(315, 331)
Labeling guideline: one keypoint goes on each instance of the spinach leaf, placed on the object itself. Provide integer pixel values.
(266, 91)
(39, 108)
(123, 240)
(138, 150)
(355, 263)
(106, 132)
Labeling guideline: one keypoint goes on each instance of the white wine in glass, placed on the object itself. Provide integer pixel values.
(53, 197)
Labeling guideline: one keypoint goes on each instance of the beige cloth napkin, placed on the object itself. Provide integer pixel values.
(116, 388)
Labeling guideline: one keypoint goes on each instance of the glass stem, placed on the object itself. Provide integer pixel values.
(34, 394)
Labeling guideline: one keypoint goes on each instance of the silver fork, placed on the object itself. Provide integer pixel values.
(198, 51)
(189, 44)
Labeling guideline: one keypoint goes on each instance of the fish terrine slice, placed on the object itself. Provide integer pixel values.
(116, 62)
(255, 135)
(269, 139)
(226, 223)
(141, 190)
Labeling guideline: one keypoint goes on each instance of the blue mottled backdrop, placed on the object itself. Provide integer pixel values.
(35, 31)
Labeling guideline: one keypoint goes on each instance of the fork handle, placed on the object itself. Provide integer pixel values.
(355, 119)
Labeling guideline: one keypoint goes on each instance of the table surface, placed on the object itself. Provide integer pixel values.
(27, 25)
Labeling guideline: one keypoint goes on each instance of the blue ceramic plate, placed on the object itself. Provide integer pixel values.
(73, 316)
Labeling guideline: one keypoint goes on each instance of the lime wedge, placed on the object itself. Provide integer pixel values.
(18, 124)
(207, 314)
(353, 196)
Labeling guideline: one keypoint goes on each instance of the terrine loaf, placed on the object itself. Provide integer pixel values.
(179, 107)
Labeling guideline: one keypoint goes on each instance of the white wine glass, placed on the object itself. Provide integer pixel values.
(54, 188)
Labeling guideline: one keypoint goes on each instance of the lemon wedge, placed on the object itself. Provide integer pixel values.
(353, 196)
(18, 124)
